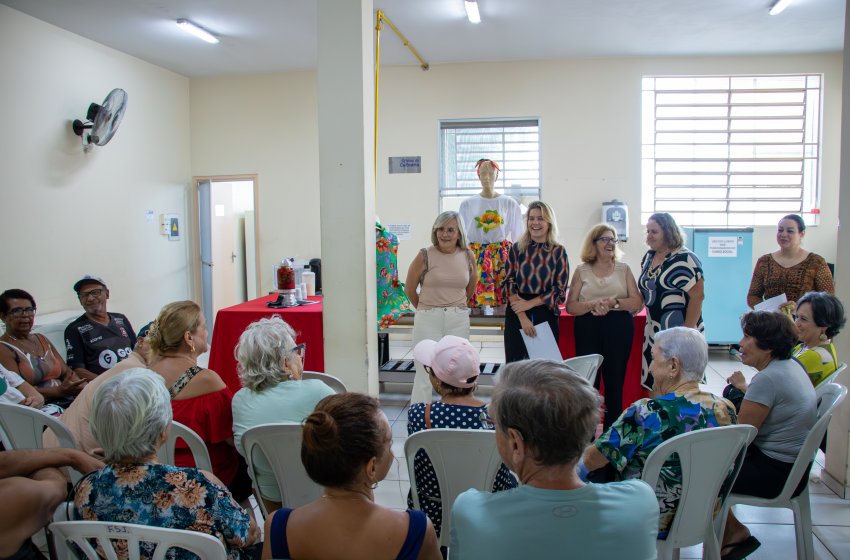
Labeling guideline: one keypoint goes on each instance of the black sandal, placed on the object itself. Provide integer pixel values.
(740, 550)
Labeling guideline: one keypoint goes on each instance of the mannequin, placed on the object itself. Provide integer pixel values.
(493, 222)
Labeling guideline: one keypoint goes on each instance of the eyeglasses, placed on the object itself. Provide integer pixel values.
(22, 312)
(301, 350)
(608, 240)
(97, 292)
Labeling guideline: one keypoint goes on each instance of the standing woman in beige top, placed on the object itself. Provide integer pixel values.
(446, 278)
(603, 296)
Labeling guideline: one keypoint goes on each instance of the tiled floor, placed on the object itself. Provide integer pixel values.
(773, 527)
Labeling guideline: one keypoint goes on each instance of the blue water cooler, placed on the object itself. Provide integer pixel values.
(727, 262)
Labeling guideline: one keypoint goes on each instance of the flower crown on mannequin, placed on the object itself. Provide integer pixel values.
(485, 160)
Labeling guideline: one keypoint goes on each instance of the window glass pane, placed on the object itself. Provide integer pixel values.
(758, 135)
(513, 144)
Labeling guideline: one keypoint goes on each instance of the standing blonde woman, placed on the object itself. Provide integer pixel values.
(446, 276)
(603, 296)
(538, 272)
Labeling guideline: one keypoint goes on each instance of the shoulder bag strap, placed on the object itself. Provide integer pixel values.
(184, 380)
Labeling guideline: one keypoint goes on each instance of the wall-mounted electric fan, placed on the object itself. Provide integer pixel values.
(102, 120)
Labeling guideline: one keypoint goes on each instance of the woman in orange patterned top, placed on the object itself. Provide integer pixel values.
(791, 270)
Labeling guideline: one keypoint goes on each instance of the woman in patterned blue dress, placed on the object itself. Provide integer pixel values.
(131, 416)
(453, 367)
(671, 282)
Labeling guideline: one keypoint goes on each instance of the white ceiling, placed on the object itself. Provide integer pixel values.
(259, 36)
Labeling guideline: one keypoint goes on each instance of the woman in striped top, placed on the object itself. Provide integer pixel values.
(538, 272)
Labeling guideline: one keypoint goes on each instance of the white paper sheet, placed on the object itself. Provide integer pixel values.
(772, 304)
(543, 346)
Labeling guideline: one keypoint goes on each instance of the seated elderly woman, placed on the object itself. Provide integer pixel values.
(780, 402)
(453, 367)
(679, 359)
(545, 414)
(346, 447)
(31, 355)
(130, 417)
(820, 316)
(270, 367)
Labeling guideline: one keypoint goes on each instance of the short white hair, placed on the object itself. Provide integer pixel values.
(689, 346)
(130, 412)
(260, 350)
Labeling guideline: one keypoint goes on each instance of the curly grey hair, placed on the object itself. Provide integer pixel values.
(130, 412)
(260, 351)
(689, 346)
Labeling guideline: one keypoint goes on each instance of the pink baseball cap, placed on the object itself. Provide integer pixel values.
(453, 360)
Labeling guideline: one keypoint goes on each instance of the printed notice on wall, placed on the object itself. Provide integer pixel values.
(406, 164)
(722, 246)
(402, 231)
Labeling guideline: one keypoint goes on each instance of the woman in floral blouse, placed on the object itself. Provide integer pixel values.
(131, 417)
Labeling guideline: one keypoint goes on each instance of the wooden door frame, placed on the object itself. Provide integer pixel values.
(196, 227)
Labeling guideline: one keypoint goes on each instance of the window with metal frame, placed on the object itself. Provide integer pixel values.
(731, 150)
(512, 143)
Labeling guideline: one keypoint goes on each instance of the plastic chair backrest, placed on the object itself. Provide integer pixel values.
(55, 333)
(333, 382)
(205, 546)
(829, 398)
(462, 459)
(196, 445)
(829, 379)
(708, 458)
(587, 365)
(23, 427)
(281, 445)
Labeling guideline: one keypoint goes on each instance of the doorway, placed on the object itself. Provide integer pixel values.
(226, 248)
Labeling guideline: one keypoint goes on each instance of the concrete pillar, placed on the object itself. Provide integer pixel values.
(346, 101)
(836, 474)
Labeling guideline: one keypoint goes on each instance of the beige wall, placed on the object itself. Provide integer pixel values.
(67, 213)
(268, 125)
(589, 111)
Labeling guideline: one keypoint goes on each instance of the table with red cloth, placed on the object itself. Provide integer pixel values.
(231, 322)
(307, 322)
(632, 389)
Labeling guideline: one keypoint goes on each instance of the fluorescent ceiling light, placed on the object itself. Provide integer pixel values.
(779, 6)
(472, 11)
(197, 31)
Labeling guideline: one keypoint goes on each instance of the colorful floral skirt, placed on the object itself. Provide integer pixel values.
(492, 261)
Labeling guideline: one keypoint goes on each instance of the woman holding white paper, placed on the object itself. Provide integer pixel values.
(791, 270)
(538, 272)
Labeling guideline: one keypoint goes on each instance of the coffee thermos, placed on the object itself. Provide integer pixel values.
(316, 268)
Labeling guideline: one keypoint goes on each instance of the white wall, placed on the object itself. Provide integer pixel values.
(268, 125)
(590, 112)
(66, 213)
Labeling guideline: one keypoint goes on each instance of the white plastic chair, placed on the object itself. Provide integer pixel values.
(23, 427)
(587, 366)
(281, 445)
(462, 459)
(831, 396)
(333, 382)
(205, 546)
(196, 445)
(708, 457)
(830, 379)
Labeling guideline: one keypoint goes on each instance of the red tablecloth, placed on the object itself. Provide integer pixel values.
(231, 322)
(632, 390)
(307, 322)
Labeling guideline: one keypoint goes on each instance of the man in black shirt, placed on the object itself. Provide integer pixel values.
(97, 340)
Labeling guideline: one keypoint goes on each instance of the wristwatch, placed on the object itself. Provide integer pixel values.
(616, 303)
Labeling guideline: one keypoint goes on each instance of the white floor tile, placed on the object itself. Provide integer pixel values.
(392, 494)
(835, 539)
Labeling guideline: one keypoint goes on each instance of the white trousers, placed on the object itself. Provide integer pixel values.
(434, 324)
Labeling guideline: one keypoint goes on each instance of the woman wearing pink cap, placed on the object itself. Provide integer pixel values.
(452, 365)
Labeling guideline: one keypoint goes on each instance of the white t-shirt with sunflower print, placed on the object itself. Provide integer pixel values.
(491, 220)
